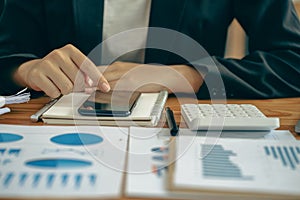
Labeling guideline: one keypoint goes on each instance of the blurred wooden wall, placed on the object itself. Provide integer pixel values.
(236, 45)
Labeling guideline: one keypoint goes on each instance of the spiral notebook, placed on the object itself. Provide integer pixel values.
(147, 111)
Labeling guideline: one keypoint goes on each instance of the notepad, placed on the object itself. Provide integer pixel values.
(147, 111)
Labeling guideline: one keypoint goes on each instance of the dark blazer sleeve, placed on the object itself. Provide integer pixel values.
(272, 67)
(22, 38)
(33, 28)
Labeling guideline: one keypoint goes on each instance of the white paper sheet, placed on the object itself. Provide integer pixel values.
(146, 174)
(264, 167)
(62, 161)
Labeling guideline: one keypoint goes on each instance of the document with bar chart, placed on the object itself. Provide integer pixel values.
(258, 167)
(61, 161)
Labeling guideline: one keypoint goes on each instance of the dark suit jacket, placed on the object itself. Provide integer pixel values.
(32, 28)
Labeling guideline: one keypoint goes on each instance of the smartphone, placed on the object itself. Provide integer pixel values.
(113, 103)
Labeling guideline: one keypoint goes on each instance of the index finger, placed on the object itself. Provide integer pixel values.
(88, 67)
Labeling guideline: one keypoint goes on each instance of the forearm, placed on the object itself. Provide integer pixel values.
(152, 78)
(189, 74)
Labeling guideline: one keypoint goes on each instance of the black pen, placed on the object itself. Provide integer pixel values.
(171, 122)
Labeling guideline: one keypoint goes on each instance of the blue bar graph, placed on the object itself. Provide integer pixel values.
(267, 151)
(294, 155)
(160, 149)
(78, 179)
(298, 150)
(274, 152)
(23, 178)
(288, 156)
(281, 156)
(10, 152)
(2, 151)
(64, 179)
(50, 180)
(14, 152)
(93, 179)
(216, 163)
(8, 179)
(38, 179)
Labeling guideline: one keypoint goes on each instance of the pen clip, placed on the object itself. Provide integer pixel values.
(36, 117)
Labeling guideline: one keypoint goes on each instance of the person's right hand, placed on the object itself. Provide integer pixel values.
(61, 72)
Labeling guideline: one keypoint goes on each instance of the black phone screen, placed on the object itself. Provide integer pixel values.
(113, 103)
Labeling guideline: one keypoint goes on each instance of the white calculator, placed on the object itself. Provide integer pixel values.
(227, 117)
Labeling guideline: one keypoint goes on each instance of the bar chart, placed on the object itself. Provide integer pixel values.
(288, 156)
(47, 180)
(217, 164)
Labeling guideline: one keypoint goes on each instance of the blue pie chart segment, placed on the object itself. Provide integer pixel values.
(9, 137)
(77, 139)
(58, 163)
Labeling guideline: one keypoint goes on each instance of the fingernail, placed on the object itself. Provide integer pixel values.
(90, 90)
(105, 87)
(89, 82)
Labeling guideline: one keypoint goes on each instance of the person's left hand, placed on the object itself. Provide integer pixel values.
(151, 78)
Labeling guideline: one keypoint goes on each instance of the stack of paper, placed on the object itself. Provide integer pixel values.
(245, 167)
(149, 165)
(20, 97)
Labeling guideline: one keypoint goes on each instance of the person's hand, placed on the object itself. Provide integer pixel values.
(127, 76)
(61, 72)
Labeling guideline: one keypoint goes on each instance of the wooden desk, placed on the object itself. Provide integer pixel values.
(287, 109)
